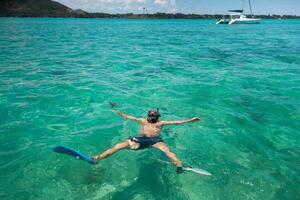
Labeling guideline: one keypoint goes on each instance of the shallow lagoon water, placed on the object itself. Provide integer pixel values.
(57, 76)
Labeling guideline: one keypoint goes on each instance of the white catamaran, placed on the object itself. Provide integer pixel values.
(238, 17)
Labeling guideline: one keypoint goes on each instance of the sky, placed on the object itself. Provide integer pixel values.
(281, 7)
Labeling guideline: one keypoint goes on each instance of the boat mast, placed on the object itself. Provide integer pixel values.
(243, 1)
(250, 7)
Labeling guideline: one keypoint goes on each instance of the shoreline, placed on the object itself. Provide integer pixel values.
(145, 16)
(60, 17)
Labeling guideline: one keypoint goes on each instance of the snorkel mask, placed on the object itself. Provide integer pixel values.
(153, 116)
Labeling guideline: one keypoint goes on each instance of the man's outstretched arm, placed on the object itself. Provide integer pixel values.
(127, 116)
(180, 121)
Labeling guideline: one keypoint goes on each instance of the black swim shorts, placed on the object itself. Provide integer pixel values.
(146, 142)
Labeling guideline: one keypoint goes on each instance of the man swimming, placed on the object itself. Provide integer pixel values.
(149, 137)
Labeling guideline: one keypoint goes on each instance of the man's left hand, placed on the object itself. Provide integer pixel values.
(195, 119)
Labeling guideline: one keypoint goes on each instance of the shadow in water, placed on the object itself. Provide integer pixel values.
(152, 181)
(58, 72)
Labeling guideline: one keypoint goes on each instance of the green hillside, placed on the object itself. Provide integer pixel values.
(34, 8)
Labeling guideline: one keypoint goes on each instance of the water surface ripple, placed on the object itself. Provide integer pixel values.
(57, 76)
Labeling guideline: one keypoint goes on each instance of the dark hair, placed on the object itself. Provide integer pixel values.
(153, 116)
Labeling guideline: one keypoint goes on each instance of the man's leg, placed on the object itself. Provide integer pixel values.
(112, 150)
(163, 147)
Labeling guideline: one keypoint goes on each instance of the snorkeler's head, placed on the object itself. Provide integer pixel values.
(153, 116)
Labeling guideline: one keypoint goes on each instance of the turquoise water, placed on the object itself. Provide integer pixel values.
(57, 76)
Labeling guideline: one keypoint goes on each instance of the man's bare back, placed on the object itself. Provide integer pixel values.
(149, 136)
(153, 129)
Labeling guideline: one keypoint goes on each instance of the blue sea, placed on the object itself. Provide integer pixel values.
(58, 75)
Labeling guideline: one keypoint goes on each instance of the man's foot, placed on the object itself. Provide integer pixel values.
(179, 170)
(95, 158)
(93, 161)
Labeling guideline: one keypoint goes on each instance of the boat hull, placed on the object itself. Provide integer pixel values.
(245, 21)
(223, 21)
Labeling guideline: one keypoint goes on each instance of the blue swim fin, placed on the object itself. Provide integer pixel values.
(72, 152)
